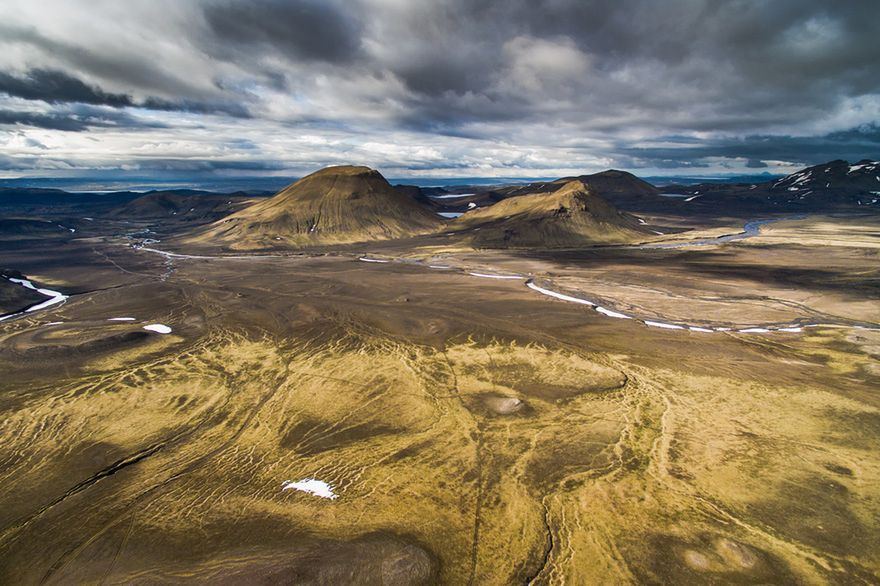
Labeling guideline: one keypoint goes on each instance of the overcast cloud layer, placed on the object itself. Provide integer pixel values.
(441, 88)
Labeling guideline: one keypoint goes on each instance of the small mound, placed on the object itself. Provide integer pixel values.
(571, 216)
(335, 205)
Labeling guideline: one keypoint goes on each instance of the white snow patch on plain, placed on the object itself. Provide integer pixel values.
(120, 319)
(699, 329)
(550, 293)
(610, 313)
(485, 276)
(311, 486)
(158, 328)
(658, 324)
(692, 198)
(791, 329)
(450, 195)
(438, 266)
(365, 259)
(471, 205)
(754, 331)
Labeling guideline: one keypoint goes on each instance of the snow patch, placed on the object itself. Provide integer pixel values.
(120, 319)
(311, 486)
(365, 259)
(158, 328)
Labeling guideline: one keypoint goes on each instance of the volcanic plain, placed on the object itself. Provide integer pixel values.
(419, 410)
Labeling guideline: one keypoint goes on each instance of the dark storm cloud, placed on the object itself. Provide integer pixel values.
(76, 119)
(852, 145)
(228, 108)
(137, 70)
(202, 165)
(298, 29)
(739, 65)
(58, 87)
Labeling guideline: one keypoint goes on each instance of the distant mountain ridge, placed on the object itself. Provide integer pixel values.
(829, 187)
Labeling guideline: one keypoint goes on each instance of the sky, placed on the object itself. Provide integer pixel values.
(435, 88)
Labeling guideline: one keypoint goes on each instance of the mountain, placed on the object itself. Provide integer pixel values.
(571, 216)
(622, 189)
(833, 186)
(835, 182)
(611, 185)
(335, 205)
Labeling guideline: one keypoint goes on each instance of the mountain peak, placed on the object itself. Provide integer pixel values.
(334, 205)
(572, 216)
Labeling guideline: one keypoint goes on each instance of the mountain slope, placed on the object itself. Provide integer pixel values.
(335, 205)
(571, 216)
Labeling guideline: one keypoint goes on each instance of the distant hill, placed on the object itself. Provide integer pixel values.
(32, 201)
(332, 206)
(571, 216)
(183, 205)
(30, 228)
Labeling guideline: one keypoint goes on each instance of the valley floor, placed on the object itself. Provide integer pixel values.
(319, 419)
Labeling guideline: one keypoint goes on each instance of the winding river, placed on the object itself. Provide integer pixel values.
(54, 297)
(750, 229)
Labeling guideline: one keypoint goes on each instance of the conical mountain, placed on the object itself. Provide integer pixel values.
(335, 205)
(613, 183)
(571, 216)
